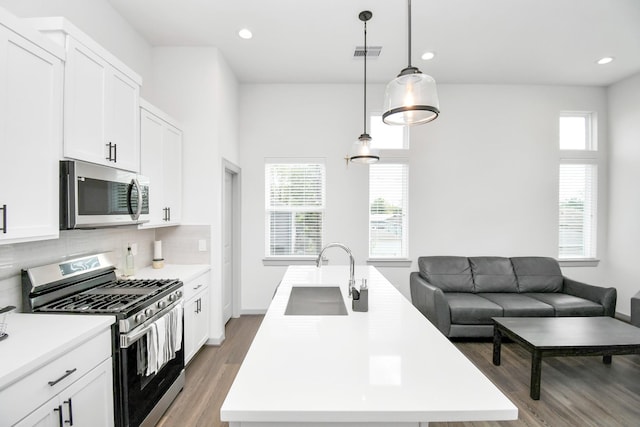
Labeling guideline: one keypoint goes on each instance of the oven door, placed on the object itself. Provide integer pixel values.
(96, 196)
(140, 391)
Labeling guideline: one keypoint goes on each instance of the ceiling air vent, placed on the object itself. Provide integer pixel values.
(372, 51)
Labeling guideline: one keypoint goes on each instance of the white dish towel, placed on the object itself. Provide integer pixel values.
(164, 339)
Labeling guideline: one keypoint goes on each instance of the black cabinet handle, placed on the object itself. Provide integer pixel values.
(110, 147)
(66, 374)
(169, 217)
(70, 421)
(4, 218)
(115, 153)
(59, 409)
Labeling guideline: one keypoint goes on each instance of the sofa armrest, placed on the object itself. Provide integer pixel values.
(430, 301)
(598, 294)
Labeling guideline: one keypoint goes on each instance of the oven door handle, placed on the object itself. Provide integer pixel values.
(127, 340)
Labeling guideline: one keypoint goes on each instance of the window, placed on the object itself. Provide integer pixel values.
(578, 183)
(576, 132)
(385, 137)
(295, 203)
(388, 207)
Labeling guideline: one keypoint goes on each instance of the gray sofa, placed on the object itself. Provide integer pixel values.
(460, 295)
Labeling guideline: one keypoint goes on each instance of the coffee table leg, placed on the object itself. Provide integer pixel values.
(606, 359)
(497, 345)
(536, 373)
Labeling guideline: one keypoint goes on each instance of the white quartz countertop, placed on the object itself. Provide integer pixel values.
(389, 364)
(35, 339)
(184, 272)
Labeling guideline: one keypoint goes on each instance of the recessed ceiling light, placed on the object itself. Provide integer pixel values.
(604, 60)
(428, 55)
(245, 34)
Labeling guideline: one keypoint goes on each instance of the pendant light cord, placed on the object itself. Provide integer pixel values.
(364, 107)
(409, 33)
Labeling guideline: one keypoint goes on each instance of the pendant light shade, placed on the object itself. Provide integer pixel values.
(361, 151)
(411, 98)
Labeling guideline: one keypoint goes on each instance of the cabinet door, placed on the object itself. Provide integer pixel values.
(201, 334)
(47, 415)
(190, 321)
(31, 136)
(161, 161)
(89, 401)
(86, 76)
(172, 165)
(122, 100)
(86, 402)
(151, 165)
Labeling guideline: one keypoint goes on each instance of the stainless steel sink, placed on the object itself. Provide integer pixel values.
(316, 301)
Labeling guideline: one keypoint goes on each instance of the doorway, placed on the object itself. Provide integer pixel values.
(230, 241)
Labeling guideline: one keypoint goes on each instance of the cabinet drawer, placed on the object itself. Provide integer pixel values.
(22, 397)
(195, 286)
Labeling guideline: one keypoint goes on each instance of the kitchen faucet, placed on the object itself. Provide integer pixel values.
(352, 280)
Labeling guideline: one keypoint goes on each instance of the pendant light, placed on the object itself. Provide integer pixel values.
(411, 98)
(362, 151)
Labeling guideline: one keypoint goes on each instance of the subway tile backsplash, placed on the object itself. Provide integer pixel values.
(180, 246)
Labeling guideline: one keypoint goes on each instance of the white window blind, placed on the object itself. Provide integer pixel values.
(577, 210)
(295, 202)
(388, 207)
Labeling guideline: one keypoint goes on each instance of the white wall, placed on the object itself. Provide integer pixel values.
(623, 268)
(483, 176)
(101, 22)
(196, 86)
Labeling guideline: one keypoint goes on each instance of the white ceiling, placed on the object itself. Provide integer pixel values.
(476, 41)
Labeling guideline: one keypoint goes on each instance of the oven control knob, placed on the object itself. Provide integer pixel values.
(148, 312)
(139, 318)
(161, 304)
(179, 294)
(173, 297)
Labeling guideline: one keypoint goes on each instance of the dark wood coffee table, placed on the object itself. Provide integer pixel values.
(565, 336)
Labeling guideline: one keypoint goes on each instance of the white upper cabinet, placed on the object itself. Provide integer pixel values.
(161, 162)
(31, 84)
(101, 100)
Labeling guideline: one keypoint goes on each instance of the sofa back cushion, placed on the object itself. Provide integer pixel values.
(493, 274)
(449, 273)
(537, 274)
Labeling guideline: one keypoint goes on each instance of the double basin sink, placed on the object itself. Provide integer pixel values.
(316, 301)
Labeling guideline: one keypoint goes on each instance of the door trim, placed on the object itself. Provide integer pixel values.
(235, 172)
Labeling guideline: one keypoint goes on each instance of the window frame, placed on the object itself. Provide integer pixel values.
(588, 156)
(403, 259)
(288, 259)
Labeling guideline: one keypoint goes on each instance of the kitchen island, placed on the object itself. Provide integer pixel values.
(386, 367)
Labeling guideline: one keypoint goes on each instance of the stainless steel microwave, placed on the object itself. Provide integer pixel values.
(93, 196)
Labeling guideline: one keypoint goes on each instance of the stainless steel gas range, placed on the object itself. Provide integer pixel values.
(148, 356)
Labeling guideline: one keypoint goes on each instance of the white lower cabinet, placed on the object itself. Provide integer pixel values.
(87, 402)
(196, 315)
(76, 388)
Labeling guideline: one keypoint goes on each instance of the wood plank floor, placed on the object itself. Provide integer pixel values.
(576, 391)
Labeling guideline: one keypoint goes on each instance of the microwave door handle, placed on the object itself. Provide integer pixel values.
(136, 215)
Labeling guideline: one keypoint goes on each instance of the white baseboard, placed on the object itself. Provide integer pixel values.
(251, 312)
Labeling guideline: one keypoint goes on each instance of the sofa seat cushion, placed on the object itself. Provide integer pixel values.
(449, 273)
(470, 309)
(569, 305)
(537, 274)
(493, 274)
(519, 305)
